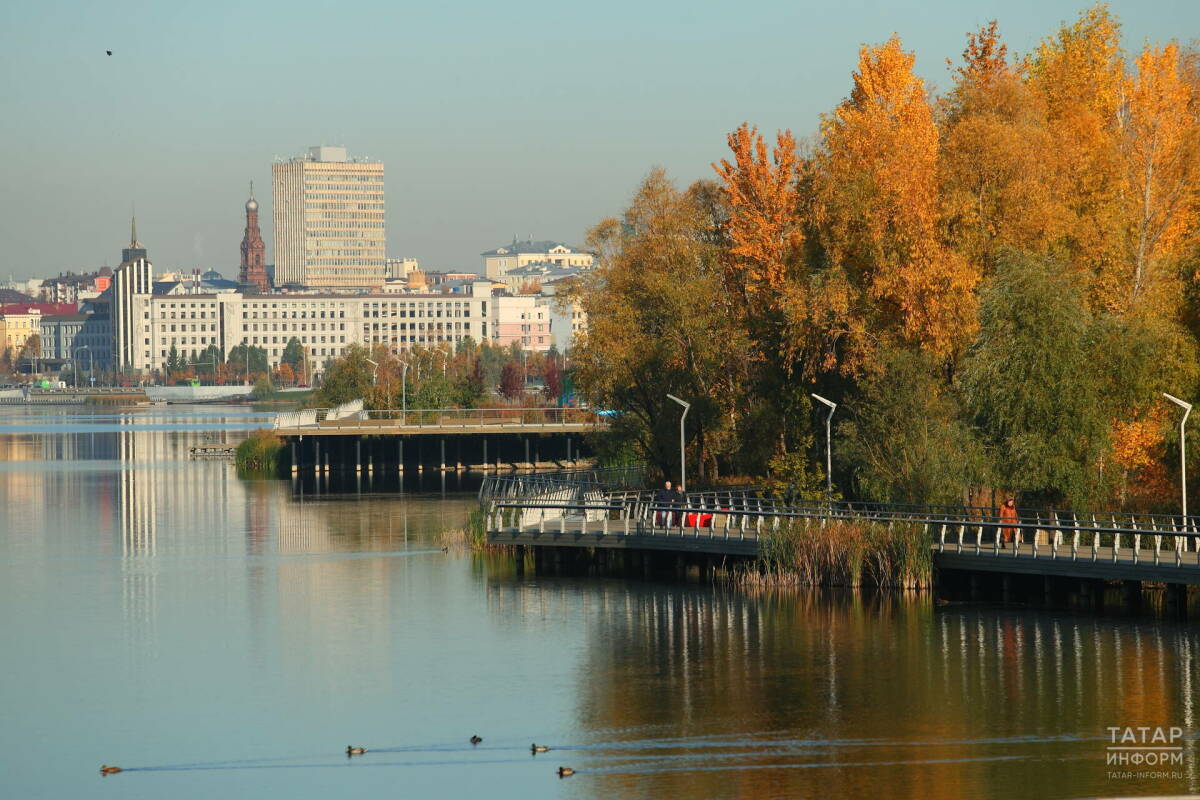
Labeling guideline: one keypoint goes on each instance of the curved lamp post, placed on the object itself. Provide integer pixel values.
(828, 446)
(682, 463)
(1187, 409)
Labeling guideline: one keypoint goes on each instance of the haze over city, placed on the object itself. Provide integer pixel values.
(493, 121)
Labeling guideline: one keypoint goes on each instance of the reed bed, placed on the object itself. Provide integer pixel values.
(260, 454)
(849, 553)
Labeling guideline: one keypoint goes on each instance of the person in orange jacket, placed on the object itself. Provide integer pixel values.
(1008, 513)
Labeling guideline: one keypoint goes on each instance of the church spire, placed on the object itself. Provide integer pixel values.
(133, 242)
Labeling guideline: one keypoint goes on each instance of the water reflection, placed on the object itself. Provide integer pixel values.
(702, 692)
(267, 621)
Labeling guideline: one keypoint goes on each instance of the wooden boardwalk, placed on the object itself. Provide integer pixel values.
(1169, 566)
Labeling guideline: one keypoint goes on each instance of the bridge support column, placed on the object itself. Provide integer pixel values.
(539, 561)
(526, 452)
(1131, 594)
(400, 454)
(443, 463)
(295, 463)
(358, 454)
(316, 456)
(568, 449)
(1176, 599)
(485, 461)
(520, 557)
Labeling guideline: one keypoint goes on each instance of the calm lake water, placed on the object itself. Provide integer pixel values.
(227, 638)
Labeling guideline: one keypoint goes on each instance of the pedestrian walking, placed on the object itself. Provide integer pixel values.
(1008, 513)
(663, 498)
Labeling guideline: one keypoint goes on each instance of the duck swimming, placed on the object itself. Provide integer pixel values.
(538, 748)
(565, 772)
(475, 740)
(107, 770)
(355, 751)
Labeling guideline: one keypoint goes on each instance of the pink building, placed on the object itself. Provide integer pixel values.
(521, 319)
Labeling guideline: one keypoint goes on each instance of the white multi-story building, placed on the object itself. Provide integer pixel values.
(329, 221)
(152, 325)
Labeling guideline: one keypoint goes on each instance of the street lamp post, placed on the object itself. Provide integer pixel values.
(828, 445)
(375, 371)
(682, 462)
(75, 363)
(404, 393)
(1187, 409)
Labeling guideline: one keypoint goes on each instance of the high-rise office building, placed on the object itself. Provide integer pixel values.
(132, 282)
(329, 228)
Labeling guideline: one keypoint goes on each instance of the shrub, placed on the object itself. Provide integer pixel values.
(261, 453)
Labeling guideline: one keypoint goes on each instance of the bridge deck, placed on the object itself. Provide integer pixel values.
(388, 428)
(1098, 563)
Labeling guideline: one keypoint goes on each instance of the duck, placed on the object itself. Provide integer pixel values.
(355, 751)
(445, 549)
(476, 740)
(105, 769)
(538, 748)
(565, 772)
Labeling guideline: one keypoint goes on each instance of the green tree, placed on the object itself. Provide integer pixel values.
(208, 360)
(905, 439)
(173, 362)
(346, 378)
(293, 355)
(242, 363)
(1031, 383)
(470, 388)
(660, 321)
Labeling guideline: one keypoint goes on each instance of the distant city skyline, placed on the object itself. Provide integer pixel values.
(529, 120)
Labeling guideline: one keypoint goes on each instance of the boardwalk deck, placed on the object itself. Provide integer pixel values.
(1171, 566)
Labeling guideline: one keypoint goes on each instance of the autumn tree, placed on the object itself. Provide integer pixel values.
(1161, 149)
(1079, 74)
(661, 322)
(878, 189)
(512, 381)
(996, 181)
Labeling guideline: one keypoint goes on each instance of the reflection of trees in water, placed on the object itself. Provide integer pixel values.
(794, 681)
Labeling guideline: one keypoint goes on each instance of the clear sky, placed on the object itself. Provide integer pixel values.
(493, 119)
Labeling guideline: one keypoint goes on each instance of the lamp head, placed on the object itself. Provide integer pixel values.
(820, 399)
(1178, 402)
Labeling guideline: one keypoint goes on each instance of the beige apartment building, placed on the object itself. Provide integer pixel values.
(15, 330)
(329, 221)
(496, 263)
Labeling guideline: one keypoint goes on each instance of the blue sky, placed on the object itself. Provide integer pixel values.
(493, 119)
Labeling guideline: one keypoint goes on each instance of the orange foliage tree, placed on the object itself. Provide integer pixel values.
(880, 206)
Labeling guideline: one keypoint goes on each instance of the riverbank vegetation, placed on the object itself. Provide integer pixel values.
(842, 553)
(260, 454)
(467, 375)
(995, 284)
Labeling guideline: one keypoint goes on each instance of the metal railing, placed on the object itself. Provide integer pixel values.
(1157, 539)
(498, 418)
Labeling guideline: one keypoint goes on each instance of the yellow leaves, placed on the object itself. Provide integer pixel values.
(764, 223)
(1162, 162)
(1137, 442)
(879, 176)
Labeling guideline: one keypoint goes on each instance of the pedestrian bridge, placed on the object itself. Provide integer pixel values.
(1144, 548)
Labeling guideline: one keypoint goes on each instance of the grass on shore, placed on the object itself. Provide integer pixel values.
(847, 553)
(260, 454)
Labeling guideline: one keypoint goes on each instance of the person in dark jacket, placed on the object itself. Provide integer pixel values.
(664, 497)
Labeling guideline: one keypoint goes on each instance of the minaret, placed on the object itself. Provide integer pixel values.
(254, 268)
